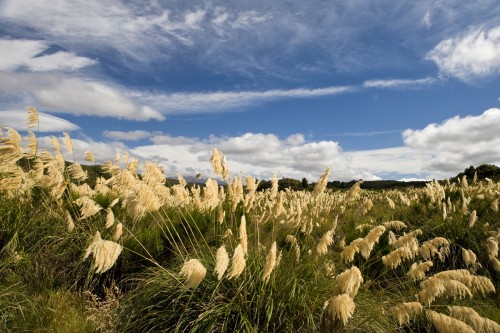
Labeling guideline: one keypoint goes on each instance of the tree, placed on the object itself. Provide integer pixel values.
(305, 183)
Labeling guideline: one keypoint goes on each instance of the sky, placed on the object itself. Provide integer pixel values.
(374, 89)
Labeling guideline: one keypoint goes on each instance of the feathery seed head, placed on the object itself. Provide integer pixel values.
(118, 232)
(194, 272)
(69, 221)
(341, 307)
(238, 262)
(105, 253)
(33, 117)
(270, 263)
(221, 262)
(418, 270)
(444, 324)
(404, 312)
(492, 247)
(472, 318)
(349, 281)
(243, 235)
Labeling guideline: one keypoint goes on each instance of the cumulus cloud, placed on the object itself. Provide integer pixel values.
(436, 151)
(127, 136)
(459, 142)
(103, 151)
(26, 54)
(64, 94)
(474, 54)
(390, 162)
(258, 154)
(17, 119)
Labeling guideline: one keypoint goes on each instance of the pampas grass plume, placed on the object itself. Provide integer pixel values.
(469, 257)
(68, 142)
(404, 312)
(270, 263)
(221, 262)
(394, 225)
(444, 324)
(89, 156)
(322, 182)
(243, 235)
(238, 262)
(349, 281)
(472, 219)
(492, 247)
(472, 318)
(33, 117)
(294, 246)
(418, 270)
(88, 207)
(110, 218)
(341, 307)
(194, 272)
(118, 231)
(69, 221)
(105, 253)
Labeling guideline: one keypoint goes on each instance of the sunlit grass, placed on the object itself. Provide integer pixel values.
(119, 249)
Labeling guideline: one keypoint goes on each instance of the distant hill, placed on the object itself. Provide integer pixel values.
(483, 171)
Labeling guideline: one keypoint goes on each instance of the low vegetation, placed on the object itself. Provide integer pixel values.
(124, 251)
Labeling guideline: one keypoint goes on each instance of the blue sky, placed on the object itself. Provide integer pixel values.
(373, 89)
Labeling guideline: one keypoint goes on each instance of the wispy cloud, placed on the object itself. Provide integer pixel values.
(369, 133)
(474, 54)
(26, 54)
(224, 100)
(398, 83)
(426, 20)
(227, 37)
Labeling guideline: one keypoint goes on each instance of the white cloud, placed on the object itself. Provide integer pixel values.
(398, 83)
(249, 19)
(474, 54)
(219, 101)
(459, 142)
(413, 179)
(140, 31)
(25, 53)
(127, 136)
(258, 154)
(72, 95)
(59, 61)
(17, 119)
(389, 161)
(426, 20)
(436, 151)
(102, 151)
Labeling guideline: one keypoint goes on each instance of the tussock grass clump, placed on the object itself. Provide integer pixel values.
(276, 261)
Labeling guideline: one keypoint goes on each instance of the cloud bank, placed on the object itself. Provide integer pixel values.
(459, 142)
(67, 94)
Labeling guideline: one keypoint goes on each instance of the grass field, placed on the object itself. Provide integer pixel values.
(127, 252)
